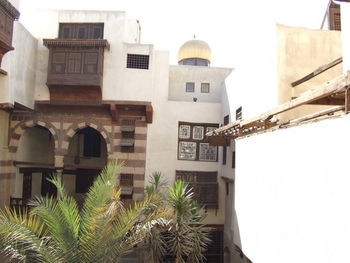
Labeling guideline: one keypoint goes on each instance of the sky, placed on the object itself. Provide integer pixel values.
(228, 26)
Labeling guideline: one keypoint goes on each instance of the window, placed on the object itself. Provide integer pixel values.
(224, 148)
(204, 185)
(127, 141)
(205, 87)
(189, 86)
(334, 17)
(239, 113)
(92, 142)
(81, 31)
(224, 153)
(137, 61)
(126, 185)
(233, 159)
(193, 144)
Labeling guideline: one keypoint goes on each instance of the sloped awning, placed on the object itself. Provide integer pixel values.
(335, 92)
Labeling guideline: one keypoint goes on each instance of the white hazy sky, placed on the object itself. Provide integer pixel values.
(229, 26)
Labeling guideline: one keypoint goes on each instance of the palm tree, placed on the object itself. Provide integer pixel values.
(188, 239)
(183, 237)
(57, 231)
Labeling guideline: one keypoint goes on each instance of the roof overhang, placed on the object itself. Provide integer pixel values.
(335, 92)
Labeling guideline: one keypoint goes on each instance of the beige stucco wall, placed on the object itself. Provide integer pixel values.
(18, 85)
(36, 145)
(300, 52)
(345, 23)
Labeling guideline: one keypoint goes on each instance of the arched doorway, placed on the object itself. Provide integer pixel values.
(85, 158)
(35, 164)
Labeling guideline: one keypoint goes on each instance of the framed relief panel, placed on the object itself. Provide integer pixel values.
(198, 133)
(184, 131)
(187, 150)
(207, 152)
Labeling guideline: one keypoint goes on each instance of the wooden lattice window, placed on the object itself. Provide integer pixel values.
(81, 31)
(137, 61)
(193, 144)
(334, 17)
(204, 185)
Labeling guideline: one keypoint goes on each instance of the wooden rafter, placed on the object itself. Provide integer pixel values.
(334, 92)
(318, 71)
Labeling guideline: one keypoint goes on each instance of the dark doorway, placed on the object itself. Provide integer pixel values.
(47, 188)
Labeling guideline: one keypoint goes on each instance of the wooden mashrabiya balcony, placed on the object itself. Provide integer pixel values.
(75, 69)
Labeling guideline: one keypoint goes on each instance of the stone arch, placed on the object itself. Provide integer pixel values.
(75, 127)
(21, 127)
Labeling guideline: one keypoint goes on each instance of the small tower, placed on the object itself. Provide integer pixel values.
(194, 53)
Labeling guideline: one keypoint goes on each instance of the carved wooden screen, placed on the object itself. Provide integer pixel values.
(334, 17)
(204, 185)
(6, 26)
(215, 251)
(81, 31)
(75, 61)
(193, 144)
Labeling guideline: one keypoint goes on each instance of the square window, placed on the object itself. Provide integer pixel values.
(207, 152)
(189, 86)
(187, 150)
(198, 132)
(184, 131)
(205, 87)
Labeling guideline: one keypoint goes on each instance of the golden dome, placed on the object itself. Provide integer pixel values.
(194, 49)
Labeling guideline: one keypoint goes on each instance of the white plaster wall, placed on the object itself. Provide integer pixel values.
(18, 85)
(162, 134)
(181, 74)
(345, 23)
(292, 193)
(122, 83)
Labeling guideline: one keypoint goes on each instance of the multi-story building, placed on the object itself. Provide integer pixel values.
(85, 90)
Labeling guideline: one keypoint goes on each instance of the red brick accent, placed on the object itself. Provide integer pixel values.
(138, 190)
(117, 148)
(6, 163)
(15, 136)
(139, 177)
(117, 135)
(139, 136)
(134, 163)
(140, 124)
(7, 175)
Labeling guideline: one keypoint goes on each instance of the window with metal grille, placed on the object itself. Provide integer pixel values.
(204, 185)
(137, 61)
